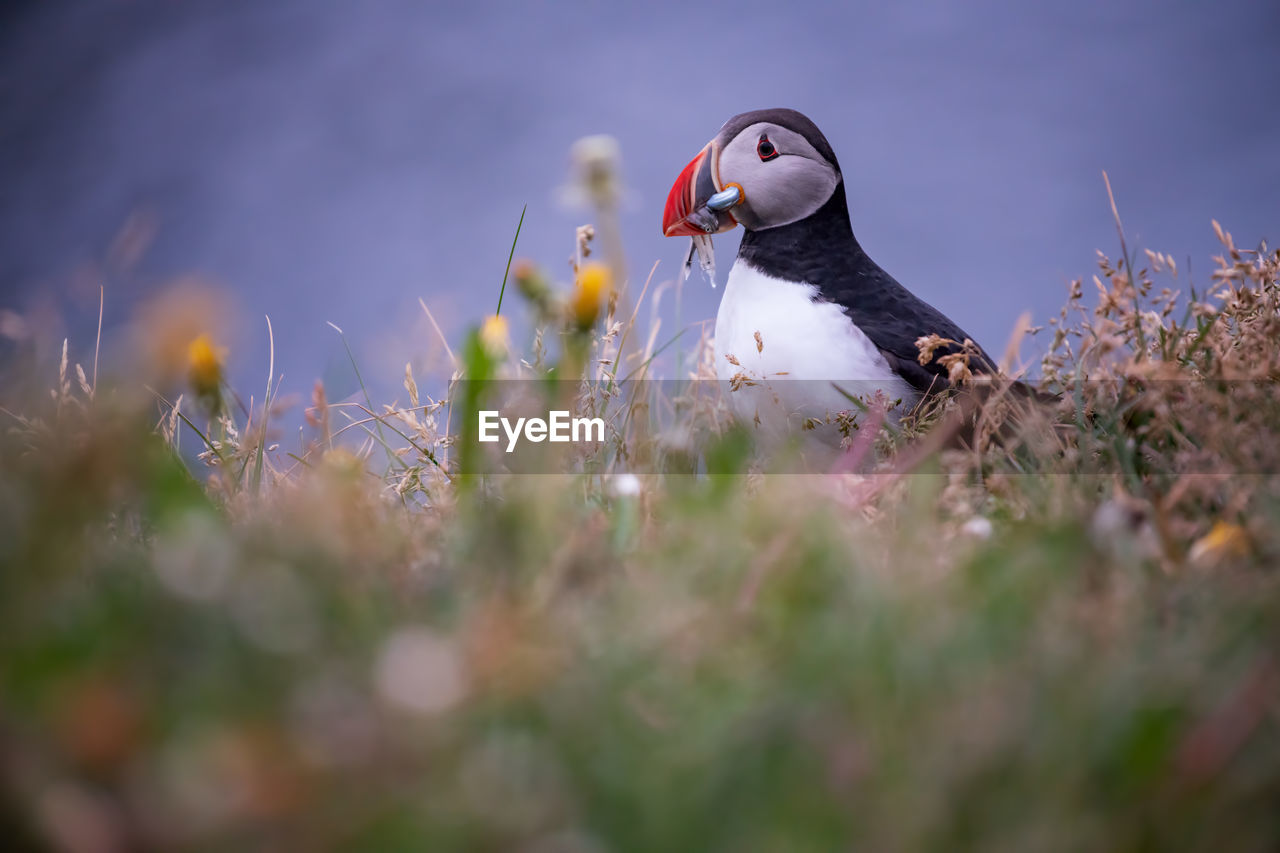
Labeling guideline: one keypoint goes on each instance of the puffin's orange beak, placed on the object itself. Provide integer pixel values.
(686, 213)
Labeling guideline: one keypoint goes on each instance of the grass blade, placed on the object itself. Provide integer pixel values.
(510, 255)
(392, 459)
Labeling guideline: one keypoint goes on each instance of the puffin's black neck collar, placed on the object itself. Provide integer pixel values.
(817, 249)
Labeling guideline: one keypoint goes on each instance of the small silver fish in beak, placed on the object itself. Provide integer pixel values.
(690, 209)
(700, 245)
(699, 206)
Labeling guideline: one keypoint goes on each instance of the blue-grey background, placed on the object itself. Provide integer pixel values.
(337, 161)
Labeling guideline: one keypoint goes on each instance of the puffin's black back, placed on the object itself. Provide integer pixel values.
(822, 251)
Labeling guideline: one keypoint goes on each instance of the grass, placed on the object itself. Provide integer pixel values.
(1019, 627)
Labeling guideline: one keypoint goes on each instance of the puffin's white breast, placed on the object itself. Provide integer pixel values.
(799, 339)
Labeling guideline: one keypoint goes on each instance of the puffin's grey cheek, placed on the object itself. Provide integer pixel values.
(795, 191)
(747, 218)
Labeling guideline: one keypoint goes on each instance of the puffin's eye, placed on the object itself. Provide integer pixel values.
(765, 149)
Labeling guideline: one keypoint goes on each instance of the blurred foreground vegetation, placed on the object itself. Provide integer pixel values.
(1060, 633)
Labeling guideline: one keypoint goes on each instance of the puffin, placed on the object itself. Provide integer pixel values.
(803, 300)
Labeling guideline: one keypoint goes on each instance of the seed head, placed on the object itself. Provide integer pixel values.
(595, 159)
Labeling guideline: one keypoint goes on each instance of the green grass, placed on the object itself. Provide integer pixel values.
(339, 654)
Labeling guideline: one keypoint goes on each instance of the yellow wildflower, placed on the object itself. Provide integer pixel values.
(167, 326)
(495, 337)
(204, 366)
(592, 289)
(535, 288)
(528, 279)
(1223, 542)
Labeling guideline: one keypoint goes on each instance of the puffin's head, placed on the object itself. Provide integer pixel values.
(764, 169)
